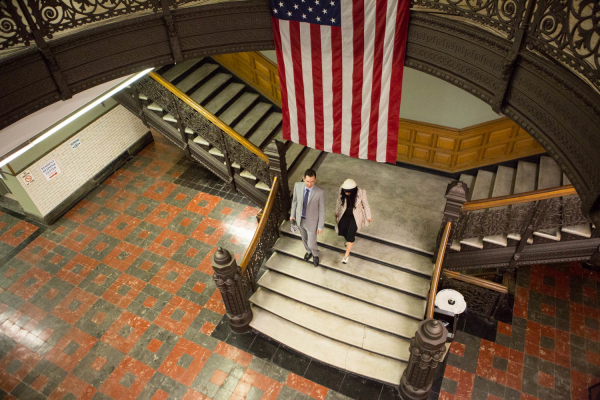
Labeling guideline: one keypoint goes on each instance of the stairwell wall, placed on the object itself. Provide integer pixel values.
(83, 160)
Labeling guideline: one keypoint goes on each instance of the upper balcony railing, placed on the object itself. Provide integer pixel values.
(566, 30)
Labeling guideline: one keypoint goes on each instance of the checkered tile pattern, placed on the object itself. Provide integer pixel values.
(117, 301)
(551, 350)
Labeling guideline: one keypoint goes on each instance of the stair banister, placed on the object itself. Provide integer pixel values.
(519, 198)
(437, 270)
(484, 283)
(209, 116)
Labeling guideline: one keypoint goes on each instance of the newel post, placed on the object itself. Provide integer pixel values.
(278, 167)
(456, 195)
(228, 277)
(427, 350)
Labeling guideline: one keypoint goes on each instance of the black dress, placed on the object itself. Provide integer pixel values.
(347, 225)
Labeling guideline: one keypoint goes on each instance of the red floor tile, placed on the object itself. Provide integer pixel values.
(121, 200)
(307, 387)
(80, 389)
(209, 231)
(80, 238)
(28, 284)
(163, 215)
(178, 315)
(122, 256)
(203, 203)
(234, 354)
(77, 269)
(25, 361)
(117, 389)
(159, 190)
(74, 305)
(167, 243)
(185, 361)
(122, 226)
(18, 233)
(125, 332)
(82, 343)
(172, 276)
(124, 290)
(81, 211)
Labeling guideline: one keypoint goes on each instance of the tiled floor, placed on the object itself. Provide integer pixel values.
(116, 300)
(550, 351)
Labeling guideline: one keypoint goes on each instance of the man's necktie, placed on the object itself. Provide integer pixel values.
(305, 202)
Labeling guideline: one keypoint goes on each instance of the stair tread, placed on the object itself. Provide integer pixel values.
(189, 81)
(335, 303)
(468, 179)
(525, 179)
(350, 286)
(265, 129)
(331, 325)
(375, 251)
(550, 174)
(238, 107)
(224, 97)
(179, 69)
(583, 230)
(362, 269)
(483, 185)
(207, 89)
(252, 118)
(503, 186)
(292, 153)
(327, 350)
(306, 161)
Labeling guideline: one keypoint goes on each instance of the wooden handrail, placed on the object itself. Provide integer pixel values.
(209, 116)
(484, 283)
(437, 269)
(261, 225)
(525, 197)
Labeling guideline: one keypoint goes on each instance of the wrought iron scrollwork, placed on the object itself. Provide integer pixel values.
(569, 31)
(504, 15)
(572, 214)
(248, 160)
(266, 242)
(13, 29)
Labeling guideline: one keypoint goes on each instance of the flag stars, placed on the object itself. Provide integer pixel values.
(317, 2)
(324, 11)
(274, 11)
(280, 4)
(332, 3)
(333, 20)
(289, 13)
(319, 19)
(303, 16)
(295, 6)
(309, 9)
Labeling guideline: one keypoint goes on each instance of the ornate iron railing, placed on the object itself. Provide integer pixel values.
(264, 238)
(513, 214)
(195, 117)
(566, 30)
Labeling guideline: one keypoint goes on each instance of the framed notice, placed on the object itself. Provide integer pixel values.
(50, 169)
(26, 177)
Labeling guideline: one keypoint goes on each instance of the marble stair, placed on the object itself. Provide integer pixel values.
(238, 105)
(358, 316)
(505, 181)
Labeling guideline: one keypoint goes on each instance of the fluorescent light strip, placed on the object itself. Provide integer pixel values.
(73, 117)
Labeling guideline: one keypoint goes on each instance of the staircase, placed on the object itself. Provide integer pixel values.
(358, 316)
(239, 106)
(505, 181)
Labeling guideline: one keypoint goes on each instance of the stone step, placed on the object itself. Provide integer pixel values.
(525, 181)
(189, 82)
(372, 250)
(210, 87)
(347, 285)
(329, 351)
(338, 304)
(332, 326)
(482, 189)
(503, 186)
(251, 119)
(224, 97)
(265, 129)
(469, 180)
(359, 268)
(175, 72)
(550, 176)
(292, 154)
(306, 161)
(231, 114)
(582, 230)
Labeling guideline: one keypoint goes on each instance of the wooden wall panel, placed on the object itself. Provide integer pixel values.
(432, 146)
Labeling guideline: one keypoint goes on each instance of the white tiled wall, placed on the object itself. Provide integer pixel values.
(101, 142)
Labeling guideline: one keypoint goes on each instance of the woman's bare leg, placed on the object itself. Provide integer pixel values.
(348, 248)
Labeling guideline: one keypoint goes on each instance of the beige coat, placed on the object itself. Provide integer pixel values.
(362, 211)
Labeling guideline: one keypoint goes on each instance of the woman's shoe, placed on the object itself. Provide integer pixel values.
(345, 260)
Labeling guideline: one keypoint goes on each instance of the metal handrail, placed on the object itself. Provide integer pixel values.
(209, 116)
(484, 283)
(437, 270)
(525, 197)
(261, 225)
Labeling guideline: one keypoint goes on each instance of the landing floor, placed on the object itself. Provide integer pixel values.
(407, 205)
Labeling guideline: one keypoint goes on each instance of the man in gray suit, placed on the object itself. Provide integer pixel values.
(310, 212)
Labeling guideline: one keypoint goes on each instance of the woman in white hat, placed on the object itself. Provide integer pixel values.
(352, 212)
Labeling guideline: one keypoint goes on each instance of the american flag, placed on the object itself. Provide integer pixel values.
(340, 70)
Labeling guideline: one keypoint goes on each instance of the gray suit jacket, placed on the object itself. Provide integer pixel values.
(315, 210)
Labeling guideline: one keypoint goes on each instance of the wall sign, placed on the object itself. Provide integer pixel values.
(27, 178)
(75, 143)
(50, 169)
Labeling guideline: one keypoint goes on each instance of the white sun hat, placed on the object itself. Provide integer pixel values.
(349, 184)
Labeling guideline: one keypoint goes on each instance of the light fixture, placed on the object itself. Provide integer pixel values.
(74, 116)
